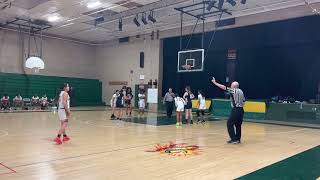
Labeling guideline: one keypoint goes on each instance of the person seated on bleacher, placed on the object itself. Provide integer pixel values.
(17, 101)
(44, 102)
(35, 101)
(5, 102)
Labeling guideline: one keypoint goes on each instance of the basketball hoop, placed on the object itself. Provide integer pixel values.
(186, 67)
(36, 70)
(35, 64)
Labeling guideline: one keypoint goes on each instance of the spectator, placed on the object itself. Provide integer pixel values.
(44, 102)
(5, 102)
(35, 101)
(17, 101)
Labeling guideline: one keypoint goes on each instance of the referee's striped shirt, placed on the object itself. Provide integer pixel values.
(237, 95)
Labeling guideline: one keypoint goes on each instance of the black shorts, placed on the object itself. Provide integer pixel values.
(128, 103)
(119, 105)
(188, 106)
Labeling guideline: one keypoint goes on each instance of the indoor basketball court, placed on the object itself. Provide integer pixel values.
(170, 89)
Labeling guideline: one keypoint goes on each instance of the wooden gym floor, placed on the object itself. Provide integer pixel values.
(104, 149)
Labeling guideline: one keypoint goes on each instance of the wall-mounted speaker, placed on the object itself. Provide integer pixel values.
(141, 59)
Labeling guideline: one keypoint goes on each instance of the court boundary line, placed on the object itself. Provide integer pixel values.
(12, 171)
(5, 133)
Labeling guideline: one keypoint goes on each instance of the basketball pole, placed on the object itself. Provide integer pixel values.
(181, 36)
(203, 21)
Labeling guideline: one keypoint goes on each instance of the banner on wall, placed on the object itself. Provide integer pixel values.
(117, 83)
(232, 54)
(152, 96)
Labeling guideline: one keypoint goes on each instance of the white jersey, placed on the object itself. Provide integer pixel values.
(142, 101)
(202, 102)
(179, 104)
(61, 106)
(61, 111)
(113, 100)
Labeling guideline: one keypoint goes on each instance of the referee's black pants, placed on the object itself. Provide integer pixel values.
(169, 106)
(234, 123)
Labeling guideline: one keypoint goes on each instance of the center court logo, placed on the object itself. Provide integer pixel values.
(173, 149)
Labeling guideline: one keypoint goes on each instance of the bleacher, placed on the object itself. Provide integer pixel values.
(87, 92)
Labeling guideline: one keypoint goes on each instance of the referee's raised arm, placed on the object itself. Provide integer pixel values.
(221, 86)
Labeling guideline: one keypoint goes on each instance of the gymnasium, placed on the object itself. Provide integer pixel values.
(159, 89)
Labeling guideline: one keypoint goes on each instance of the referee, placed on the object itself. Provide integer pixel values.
(169, 101)
(236, 117)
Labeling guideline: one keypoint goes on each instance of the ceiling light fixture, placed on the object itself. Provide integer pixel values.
(210, 5)
(136, 22)
(220, 4)
(151, 17)
(232, 2)
(53, 18)
(144, 19)
(93, 4)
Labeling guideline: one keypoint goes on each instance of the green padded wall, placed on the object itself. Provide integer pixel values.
(222, 108)
(88, 92)
(300, 113)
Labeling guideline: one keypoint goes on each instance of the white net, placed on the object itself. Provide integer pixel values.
(36, 70)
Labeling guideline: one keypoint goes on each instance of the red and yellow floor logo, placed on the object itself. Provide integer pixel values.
(173, 149)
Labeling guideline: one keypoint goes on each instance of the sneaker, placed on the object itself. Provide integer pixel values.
(65, 139)
(235, 142)
(230, 142)
(57, 140)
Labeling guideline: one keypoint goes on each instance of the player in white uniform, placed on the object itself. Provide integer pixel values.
(201, 106)
(64, 113)
(180, 104)
(142, 101)
(113, 103)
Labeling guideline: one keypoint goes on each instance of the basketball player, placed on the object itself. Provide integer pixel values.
(142, 101)
(120, 104)
(236, 117)
(201, 106)
(64, 113)
(188, 96)
(180, 104)
(128, 101)
(113, 103)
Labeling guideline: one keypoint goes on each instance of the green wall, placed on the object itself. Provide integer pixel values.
(87, 91)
